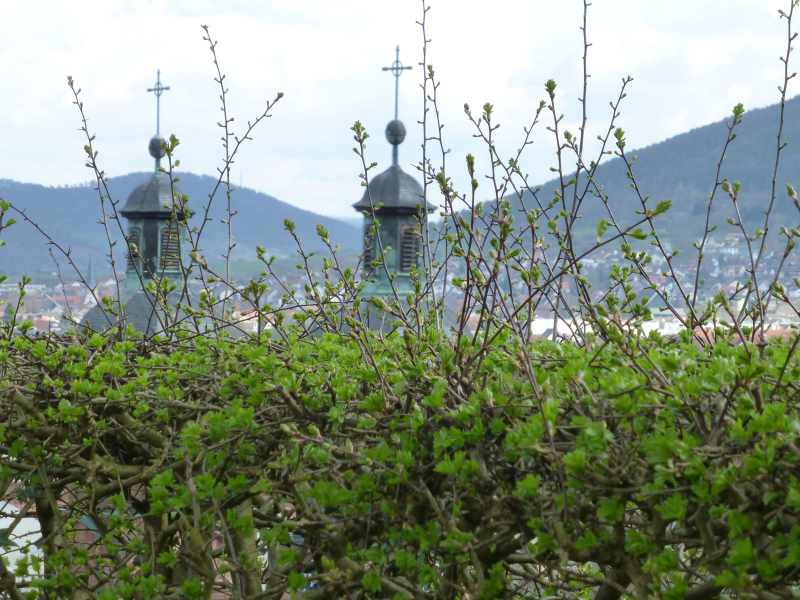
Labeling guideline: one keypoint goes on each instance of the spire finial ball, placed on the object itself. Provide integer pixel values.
(395, 132)
(156, 151)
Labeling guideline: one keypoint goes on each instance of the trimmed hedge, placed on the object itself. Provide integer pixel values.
(409, 466)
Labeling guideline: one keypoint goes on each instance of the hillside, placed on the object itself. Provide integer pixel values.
(683, 169)
(70, 216)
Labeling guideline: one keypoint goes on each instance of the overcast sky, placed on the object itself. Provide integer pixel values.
(692, 61)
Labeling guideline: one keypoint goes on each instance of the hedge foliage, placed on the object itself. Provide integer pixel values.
(401, 467)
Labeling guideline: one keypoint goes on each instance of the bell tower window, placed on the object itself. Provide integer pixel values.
(134, 237)
(369, 247)
(170, 249)
(409, 247)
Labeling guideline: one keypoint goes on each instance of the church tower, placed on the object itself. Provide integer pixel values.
(403, 207)
(154, 219)
(155, 244)
(154, 229)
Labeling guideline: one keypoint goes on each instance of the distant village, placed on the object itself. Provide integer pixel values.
(725, 265)
(51, 308)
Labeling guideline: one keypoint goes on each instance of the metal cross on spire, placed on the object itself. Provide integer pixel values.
(397, 69)
(158, 90)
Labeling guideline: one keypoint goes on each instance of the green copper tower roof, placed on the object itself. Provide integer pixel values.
(399, 193)
(152, 199)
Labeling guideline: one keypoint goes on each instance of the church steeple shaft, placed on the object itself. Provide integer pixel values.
(155, 237)
(403, 202)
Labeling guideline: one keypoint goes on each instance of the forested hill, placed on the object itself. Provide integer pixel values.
(683, 169)
(70, 216)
